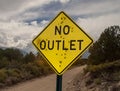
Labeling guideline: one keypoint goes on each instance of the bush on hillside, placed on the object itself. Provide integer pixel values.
(3, 75)
(107, 47)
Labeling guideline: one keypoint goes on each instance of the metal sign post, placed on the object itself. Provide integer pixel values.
(59, 83)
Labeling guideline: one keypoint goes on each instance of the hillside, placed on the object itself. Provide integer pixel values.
(98, 81)
(103, 66)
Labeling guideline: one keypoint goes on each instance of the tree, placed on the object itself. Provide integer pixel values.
(107, 47)
(1, 53)
(13, 54)
(4, 62)
(30, 57)
(39, 56)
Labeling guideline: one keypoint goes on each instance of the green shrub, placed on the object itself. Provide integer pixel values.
(4, 62)
(35, 71)
(108, 71)
(32, 69)
(13, 73)
(3, 75)
(97, 81)
(116, 76)
(44, 67)
(109, 67)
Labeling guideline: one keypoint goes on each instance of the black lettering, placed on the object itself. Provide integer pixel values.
(72, 44)
(80, 41)
(64, 46)
(52, 45)
(57, 30)
(42, 44)
(66, 29)
(58, 44)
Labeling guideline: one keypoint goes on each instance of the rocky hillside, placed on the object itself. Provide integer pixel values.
(86, 82)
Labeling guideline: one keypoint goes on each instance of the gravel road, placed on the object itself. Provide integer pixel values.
(47, 83)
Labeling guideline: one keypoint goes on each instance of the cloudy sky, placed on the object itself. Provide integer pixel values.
(22, 20)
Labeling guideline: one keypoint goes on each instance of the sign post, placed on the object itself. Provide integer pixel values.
(59, 83)
(61, 43)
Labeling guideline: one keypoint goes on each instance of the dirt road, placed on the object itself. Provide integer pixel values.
(46, 83)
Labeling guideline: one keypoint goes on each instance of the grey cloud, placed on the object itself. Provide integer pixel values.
(15, 8)
(83, 8)
(17, 34)
(30, 47)
(16, 38)
(75, 8)
(13, 41)
(92, 7)
(88, 13)
(10, 5)
(3, 38)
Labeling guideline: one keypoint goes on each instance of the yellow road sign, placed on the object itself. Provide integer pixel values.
(62, 42)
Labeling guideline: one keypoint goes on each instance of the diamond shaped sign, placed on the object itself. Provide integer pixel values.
(62, 42)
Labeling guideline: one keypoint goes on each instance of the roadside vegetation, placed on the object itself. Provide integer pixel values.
(16, 66)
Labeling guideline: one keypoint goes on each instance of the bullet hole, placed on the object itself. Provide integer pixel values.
(60, 36)
(64, 18)
(65, 50)
(61, 54)
(72, 29)
(60, 62)
(64, 53)
(64, 57)
(59, 65)
(56, 54)
(61, 22)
